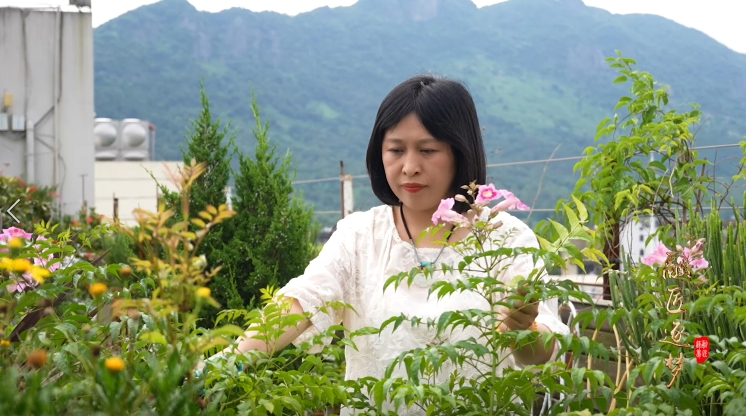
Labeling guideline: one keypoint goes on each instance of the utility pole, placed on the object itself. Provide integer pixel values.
(116, 208)
(345, 191)
(342, 188)
(85, 203)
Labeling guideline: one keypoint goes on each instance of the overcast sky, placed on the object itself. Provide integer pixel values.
(722, 20)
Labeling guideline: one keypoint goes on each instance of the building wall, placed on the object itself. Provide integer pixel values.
(132, 184)
(633, 236)
(46, 57)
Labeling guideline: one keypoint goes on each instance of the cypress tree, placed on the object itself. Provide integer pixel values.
(206, 143)
(275, 233)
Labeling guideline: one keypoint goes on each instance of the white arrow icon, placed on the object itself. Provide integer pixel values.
(11, 207)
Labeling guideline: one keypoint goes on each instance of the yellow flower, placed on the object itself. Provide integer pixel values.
(4, 343)
(97, 289)
(38, 273)
(19, 265)
(203, 292)
(115, 364)
(15, 243)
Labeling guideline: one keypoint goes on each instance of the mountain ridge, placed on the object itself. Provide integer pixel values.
(535, 67)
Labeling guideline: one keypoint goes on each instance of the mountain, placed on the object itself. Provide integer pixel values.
(535, 67)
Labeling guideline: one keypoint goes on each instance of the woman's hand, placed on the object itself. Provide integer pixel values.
(521, 316)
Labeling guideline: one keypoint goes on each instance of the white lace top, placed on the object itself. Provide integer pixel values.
(352, 267)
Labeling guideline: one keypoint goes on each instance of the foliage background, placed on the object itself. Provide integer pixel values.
(271, 238)
(130, 346)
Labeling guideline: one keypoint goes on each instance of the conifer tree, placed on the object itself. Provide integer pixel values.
(271, 238)
(275, 233)
(207, 143)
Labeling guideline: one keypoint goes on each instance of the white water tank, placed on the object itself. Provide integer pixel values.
(127, 139)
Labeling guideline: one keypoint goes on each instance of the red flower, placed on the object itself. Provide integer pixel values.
(75, 222)
(89, 220)
(31, 188)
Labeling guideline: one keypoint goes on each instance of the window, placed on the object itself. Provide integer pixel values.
(642, 237)
(642, 252)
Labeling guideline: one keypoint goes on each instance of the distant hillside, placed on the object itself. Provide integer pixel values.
(535, 67)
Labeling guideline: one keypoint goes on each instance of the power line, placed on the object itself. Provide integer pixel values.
(528, 162)
(329, 179)
(494, 165)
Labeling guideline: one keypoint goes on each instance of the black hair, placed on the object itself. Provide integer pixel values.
(446, 109)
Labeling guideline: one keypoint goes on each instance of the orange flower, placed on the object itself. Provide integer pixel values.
(97, 289)
(37, 358)
(114, 364)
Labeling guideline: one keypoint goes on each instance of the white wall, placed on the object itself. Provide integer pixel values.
(633, 236)
(132, 184)
(46, 58)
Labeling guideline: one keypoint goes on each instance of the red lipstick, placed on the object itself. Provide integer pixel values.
(412, 187)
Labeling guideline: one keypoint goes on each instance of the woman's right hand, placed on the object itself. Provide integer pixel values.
(201, 365)
(248, 342)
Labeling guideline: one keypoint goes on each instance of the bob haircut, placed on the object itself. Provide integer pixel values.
(446, 109)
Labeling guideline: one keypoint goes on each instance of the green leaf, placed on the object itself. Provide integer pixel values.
(293, 403)
(233, 330)
(267, 405)
(602, 124)
(153, 337)
(736, 407)
(571, 217)
(561, 230)
(582, 211)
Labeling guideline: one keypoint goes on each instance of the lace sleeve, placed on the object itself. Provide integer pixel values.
(522, 236)
(324, 280)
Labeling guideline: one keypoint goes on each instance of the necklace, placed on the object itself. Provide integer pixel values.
(423, 264)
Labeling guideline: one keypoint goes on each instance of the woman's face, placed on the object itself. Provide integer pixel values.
(419, 168)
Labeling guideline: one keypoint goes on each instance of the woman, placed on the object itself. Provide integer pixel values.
(426, 143)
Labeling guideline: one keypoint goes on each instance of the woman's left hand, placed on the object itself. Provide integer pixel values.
(521, 316)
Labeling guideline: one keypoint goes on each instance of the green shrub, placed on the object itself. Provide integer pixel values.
(83, 337)
(272, 237)
(37, 203)
(105, 339)
(274, 233)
